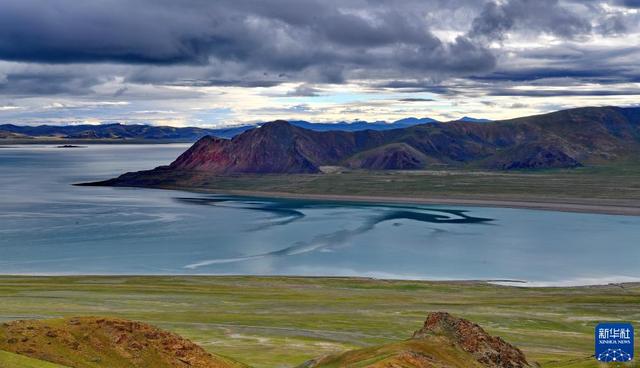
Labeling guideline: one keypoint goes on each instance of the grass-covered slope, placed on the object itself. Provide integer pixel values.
(437, 352)
(102, 342)
(12, 360)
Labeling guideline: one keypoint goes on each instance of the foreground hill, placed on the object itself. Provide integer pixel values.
(444, 342)
(100, 342)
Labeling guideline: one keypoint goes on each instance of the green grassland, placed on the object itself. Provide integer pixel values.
(594, 184)
(283, 321)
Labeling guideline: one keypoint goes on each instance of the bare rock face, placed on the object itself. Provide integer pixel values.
(489, 350)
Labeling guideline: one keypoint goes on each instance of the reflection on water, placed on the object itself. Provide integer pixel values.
(287, 211)
(48, 226)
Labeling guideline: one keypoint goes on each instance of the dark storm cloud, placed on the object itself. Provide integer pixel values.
(564, 92)
(567, 64)
(64, 31)
(303, 40)
(416, 100)
(543, 16)
(30, 83)
(408, 46)
(418, 86)
(613, 25)
(219, 82)
(534, 74)
(304, 90)
(629, 3)
(499, 89)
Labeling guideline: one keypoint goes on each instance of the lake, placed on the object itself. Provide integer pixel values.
(48, 226)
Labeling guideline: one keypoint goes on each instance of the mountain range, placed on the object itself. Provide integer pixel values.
(153, 133)
(137, 132)
(562, 139)
(114, 131)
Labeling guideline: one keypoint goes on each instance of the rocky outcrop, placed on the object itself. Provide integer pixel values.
(491, 351)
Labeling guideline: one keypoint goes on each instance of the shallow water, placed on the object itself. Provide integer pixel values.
(48, 226)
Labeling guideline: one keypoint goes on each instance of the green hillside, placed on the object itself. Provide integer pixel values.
(11, 360)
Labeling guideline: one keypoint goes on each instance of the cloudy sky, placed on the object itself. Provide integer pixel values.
(225, 62)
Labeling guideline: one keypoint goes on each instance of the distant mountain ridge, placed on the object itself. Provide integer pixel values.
(137, 132)
(114, 131)
(563, 139)
(117, 131)
(468, 119)
(362, 125)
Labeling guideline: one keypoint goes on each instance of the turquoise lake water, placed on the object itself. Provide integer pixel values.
(48, 226)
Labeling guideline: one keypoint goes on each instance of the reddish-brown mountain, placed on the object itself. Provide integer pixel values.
(562, 139)
(567, 138)
(276, 147)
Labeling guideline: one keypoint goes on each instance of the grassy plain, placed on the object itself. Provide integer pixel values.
(283, 321)
(611, 182)
(605, 189)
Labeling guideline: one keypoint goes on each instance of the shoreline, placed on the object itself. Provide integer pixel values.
(594, 206)
(493, 282)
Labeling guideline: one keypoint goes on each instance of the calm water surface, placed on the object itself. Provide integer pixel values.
(48, 226)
